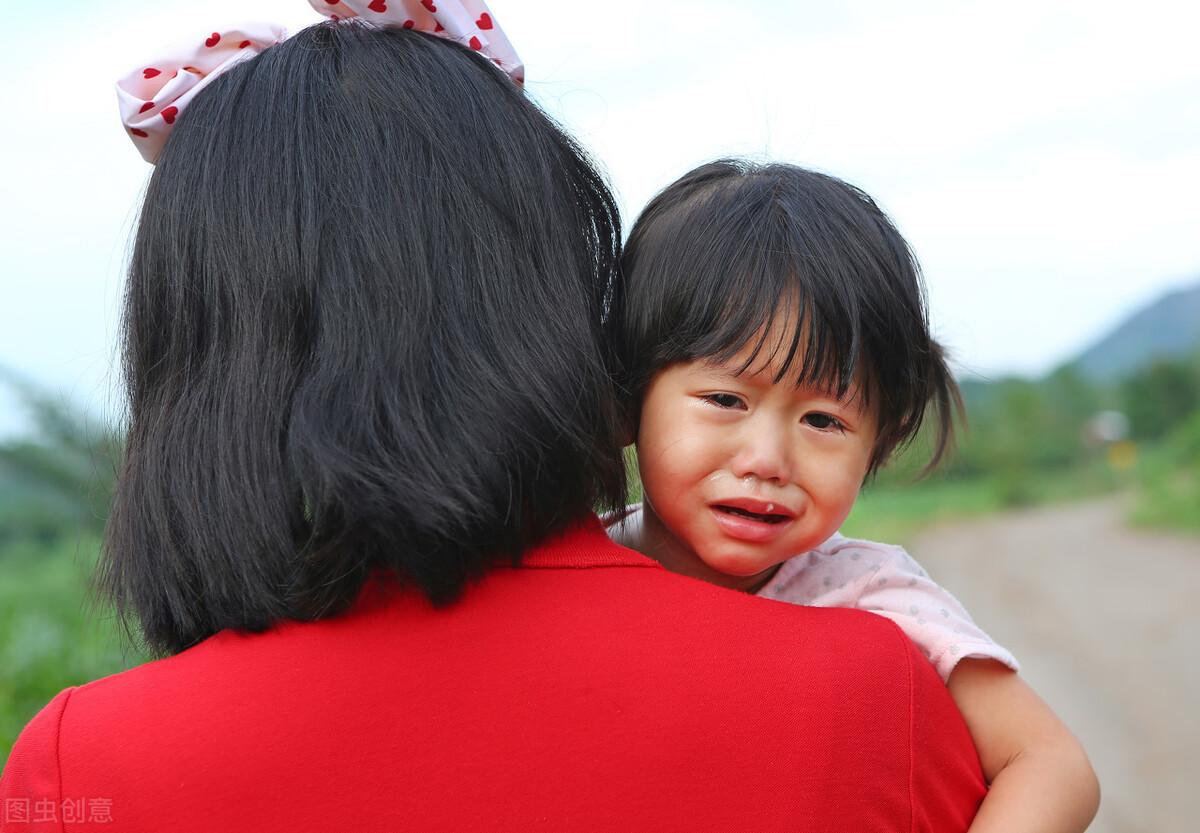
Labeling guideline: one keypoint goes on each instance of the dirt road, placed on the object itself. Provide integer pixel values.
(1106, 623)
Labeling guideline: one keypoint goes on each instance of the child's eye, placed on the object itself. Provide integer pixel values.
(824, 422)
(724, 400)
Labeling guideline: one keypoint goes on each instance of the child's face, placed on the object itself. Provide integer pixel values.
(740, 473)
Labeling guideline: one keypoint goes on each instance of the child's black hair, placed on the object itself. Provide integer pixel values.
(362, 329)
(734, 246)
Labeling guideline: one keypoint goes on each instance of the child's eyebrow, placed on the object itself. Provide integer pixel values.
(723, 369)
(735, 371)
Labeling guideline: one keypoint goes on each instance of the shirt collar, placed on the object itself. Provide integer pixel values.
(583, 544)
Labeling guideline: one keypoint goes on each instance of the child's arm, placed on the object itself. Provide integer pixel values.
(1040, 778)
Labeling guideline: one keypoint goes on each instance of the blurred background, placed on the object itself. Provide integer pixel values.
(1042, 159)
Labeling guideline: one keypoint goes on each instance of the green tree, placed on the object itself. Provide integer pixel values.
(58, 481)
(1161, 397)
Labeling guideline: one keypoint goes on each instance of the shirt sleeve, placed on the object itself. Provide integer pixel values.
(31, 781)
(883, 579)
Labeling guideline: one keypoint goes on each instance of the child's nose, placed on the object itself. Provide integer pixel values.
(764, 454)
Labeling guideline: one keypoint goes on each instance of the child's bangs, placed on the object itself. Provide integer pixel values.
(778, 309)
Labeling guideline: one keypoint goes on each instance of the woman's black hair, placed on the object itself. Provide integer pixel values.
(364, 329)
(734, 246)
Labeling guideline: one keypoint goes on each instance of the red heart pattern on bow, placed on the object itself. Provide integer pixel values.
(152, 97)
(466, 22)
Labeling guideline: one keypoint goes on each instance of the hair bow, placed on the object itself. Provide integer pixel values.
(468, 22)
(151, 97)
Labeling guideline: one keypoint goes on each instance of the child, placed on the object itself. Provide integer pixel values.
(775, 339)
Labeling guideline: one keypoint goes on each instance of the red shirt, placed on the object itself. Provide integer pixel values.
(587, 690)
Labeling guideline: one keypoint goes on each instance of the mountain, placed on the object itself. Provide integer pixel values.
(1168, 328)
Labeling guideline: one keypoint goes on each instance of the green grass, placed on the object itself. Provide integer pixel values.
(1169, 482)
(1170, 503)
(894, 512)
(49, 637)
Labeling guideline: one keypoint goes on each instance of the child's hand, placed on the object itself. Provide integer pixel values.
(1040, 778)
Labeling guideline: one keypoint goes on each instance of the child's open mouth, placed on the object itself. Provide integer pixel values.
(763, 517)
(758, 525)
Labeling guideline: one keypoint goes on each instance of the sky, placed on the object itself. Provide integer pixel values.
(1042, 159)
